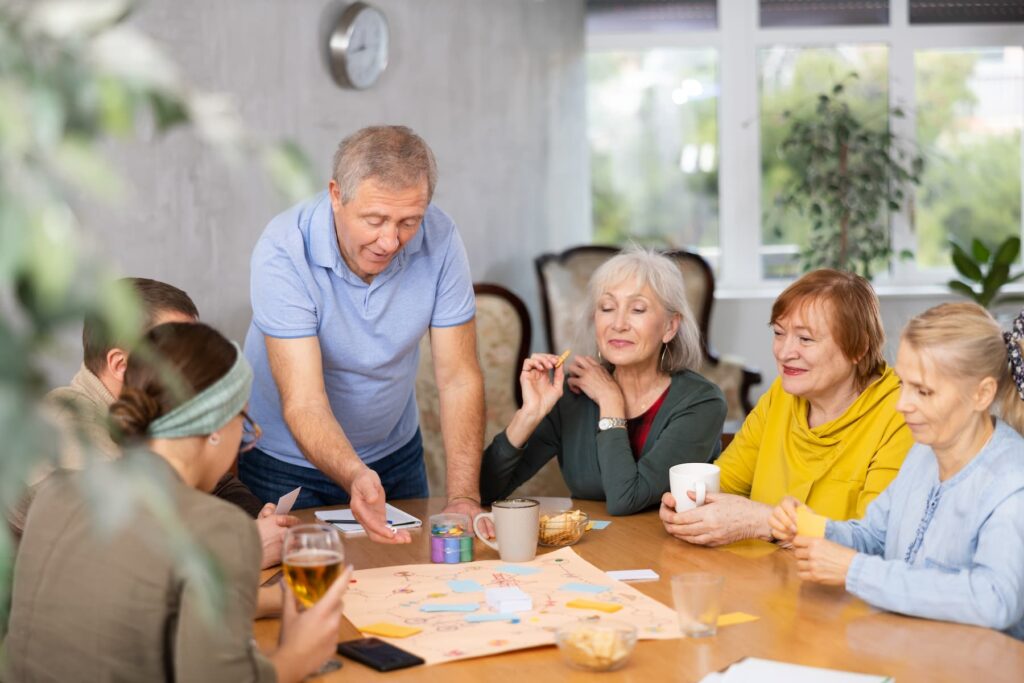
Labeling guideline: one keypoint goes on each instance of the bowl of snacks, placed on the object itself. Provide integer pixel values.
(596, 645)
(562, 528)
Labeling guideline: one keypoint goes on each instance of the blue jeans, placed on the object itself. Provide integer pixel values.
(403, 474)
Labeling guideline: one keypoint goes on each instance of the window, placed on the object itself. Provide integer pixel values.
(791, 79)
(685, 125)
(650, 15)
(653, 140)
(823, 12)
(970, 111)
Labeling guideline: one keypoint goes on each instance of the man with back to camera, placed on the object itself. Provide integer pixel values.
(344, 286)
(84, 403)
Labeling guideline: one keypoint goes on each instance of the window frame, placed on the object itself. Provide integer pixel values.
(739, 144)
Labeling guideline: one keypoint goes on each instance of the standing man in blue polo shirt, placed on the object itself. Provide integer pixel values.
(344, 286)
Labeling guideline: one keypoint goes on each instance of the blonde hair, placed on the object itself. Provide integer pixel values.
(972, 347)
(647, 267)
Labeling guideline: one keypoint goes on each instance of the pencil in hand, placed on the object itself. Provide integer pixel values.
(562, 358)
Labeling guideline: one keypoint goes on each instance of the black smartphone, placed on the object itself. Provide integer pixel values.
(376, 654)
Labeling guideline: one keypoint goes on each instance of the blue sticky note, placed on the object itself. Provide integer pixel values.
(500, 616)
(516, 569)
(466, 586)
(599, 523)
(583, 588)
(451, 607)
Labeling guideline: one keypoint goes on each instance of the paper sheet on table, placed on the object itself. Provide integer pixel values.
(753, 670)
(285, 502)
(395, 595)
(346, 522)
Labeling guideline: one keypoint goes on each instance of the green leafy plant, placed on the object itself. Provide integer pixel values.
(848, 176)
(74, 74)
(985, 271)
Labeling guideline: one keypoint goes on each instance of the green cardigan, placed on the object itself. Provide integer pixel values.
(600, 466)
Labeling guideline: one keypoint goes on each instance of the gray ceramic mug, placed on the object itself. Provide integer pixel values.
(516, 524)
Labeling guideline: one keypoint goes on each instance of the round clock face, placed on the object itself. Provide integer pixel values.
(366, 52)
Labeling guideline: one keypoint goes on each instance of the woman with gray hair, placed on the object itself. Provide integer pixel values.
(635, 404)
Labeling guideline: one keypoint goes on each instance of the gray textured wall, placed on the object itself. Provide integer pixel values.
(496, 87)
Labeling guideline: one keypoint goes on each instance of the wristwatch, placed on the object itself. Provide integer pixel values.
(606, 423)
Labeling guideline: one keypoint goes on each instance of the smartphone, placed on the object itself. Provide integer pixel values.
(376, 654)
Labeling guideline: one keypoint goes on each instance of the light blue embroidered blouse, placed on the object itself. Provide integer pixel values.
(951, 550)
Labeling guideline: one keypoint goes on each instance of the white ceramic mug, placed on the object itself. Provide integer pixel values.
(699, 477)
(516, 524)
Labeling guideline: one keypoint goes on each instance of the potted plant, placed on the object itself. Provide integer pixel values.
(985, 271)
(848, 176)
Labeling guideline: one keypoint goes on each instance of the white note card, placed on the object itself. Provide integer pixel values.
(346, 522)
(634, 575)
(285, 502)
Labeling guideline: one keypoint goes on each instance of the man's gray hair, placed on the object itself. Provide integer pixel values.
(394, 156)
(660, 273)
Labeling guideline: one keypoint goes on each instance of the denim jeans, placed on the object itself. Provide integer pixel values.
(403, 474)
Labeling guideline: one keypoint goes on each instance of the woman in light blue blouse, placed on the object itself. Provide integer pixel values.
(945, 540)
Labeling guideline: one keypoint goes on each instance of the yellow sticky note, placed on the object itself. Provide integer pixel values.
(382, 628)
(594, 604)
(809, 523)
(736, 618)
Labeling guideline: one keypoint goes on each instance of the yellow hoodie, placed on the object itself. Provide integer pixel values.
(836, 468)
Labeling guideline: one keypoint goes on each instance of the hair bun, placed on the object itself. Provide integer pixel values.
(132, 413)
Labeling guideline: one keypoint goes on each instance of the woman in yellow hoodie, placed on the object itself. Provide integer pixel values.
(826, 432)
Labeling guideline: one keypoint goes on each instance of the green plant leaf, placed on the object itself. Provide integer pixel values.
(961, 288)
(979, 251)
(1008, 251)
(964, 265)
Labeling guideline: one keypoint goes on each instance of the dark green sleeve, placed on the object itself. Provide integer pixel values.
(692, 434)
(505, 467)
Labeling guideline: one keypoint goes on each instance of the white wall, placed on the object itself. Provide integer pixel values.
(496, 87)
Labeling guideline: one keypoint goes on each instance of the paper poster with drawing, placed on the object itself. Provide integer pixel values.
(441, 611)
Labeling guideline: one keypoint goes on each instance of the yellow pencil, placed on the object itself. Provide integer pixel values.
(561, 359)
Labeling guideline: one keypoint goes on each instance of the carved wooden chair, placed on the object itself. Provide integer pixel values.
(503, 341)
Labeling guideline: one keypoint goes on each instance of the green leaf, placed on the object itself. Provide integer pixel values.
(961, 288)
(964, 265)
(980, 252)
(1008, 251)
(906, 255)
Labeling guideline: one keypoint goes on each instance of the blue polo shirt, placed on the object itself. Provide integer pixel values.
(369, 333)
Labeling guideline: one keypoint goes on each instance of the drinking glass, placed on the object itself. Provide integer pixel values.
(698, 600)
(313, 558)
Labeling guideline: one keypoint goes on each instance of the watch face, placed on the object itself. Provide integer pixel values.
(366, 55)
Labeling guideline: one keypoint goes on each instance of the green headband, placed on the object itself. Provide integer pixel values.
(211, 408)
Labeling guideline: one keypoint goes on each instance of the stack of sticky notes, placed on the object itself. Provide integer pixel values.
(508, 600)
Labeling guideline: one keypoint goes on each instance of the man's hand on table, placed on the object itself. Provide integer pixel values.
(272, 528)
(466, 505)
(368, 507)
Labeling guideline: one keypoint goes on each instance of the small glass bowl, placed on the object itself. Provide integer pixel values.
(596, 646)
(563, 527)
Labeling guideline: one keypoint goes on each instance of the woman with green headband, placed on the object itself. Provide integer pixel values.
(121, 604)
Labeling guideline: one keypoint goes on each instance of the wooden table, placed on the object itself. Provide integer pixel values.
(800, 623)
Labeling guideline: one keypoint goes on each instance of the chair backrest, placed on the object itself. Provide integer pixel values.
(503, 340)
(563, 285)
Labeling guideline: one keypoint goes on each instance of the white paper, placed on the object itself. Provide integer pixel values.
(285, 503)
(753, 669)
(634, 575)
(346, 522)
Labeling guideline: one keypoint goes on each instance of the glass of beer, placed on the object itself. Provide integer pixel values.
(313, 558)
